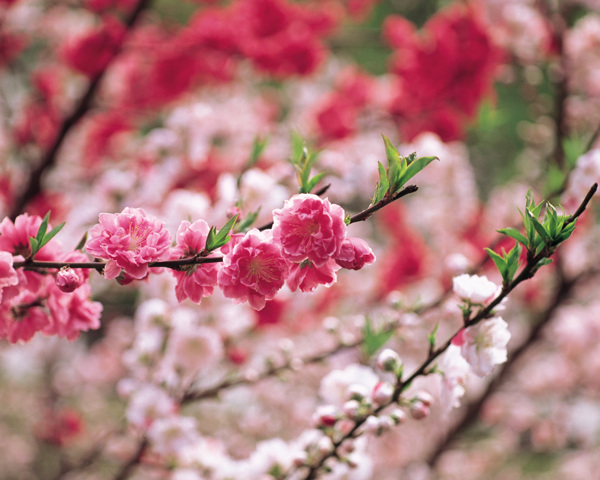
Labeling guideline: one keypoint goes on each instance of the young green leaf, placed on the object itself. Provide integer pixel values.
(413, 168)
(500, 263)
(216, 239)
(382, 185)
(248, 220)
(373, 339)
(539, 228)
(514, 234)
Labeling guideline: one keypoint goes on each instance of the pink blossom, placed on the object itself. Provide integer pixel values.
(195, 281)
(8, 275)
(22, 317)
(71, 313)
(308, 227)
(484, 345)
(307, 276)
(14, 237)
(253, 271)
(355, 254)
(474, 288)
(128, 240)
(454, 370)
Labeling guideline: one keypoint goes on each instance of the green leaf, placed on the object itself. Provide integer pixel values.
(539, 228)
(82, 242)
(415, 167)
(382, 186)
(298, 148)
(391, 153)
(499, 261)
(373, 340)
(258, 146)
(51, 234)
(248, 220)
(431, 337)
(514, 234)
(216, 239)
(307, 188)
(33, 245)
(544, 261)
(42, 230)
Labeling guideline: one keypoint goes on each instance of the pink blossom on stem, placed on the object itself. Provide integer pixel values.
(484, 345)
(14, 237)
(67, 280)
(454, 370)
(307, 276)
(308, 227)
(253, 271)
(8, 275)
(474, 288)
(355, 254)
(71, 313)
(195, 281)
(128, 240)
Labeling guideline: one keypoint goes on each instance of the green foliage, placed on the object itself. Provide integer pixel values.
(540, 235)
(248, 221)
(216, 239)
(303, 161)
(399, 171)
(374, 339)
(507, 263)
(431, 337)
(42, 237)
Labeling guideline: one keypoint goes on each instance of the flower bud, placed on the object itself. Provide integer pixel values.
(398, 416)
(356, 391)
(325, 416)
(424, 397)
(388, 360)
(67, 280)
(372, 424)
(419, 410)
(351, 408)
(325, 445)
(382, 393)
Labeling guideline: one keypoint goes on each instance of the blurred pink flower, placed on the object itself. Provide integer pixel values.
(128, 240)
(308, 227)
(484, 345)
(253, 271)
(355, 254)
(196, 281)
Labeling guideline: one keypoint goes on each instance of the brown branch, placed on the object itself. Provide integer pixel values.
(130, 465)
(34, 183)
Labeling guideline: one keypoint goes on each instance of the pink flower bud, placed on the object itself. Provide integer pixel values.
(388, 360)
(325, 416)
(419, 410)
(382, 393)
(355, 254)
(398, 416)
(424, 397)
(372, 424)
(67, 280)
(351, 408)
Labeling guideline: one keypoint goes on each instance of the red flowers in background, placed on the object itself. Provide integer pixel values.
(442, 73)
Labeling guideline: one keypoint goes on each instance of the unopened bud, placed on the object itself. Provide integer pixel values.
(325, 445)
(372, 424)
(325, 416)
(398, 416)
(356, 391)
(351, 408)
(388, 360)
(67, 280)
(382, 393)
(419, 410)
(424, 397)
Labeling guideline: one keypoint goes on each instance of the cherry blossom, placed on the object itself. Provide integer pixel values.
(128, 240)
(474, 288)
(484, 345)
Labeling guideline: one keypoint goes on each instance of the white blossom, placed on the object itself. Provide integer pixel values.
(484, 345)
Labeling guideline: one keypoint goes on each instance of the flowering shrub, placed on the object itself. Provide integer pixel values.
(284, 295)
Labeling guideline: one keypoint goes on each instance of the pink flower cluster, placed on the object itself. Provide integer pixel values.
(305, 248)
(33, 302)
